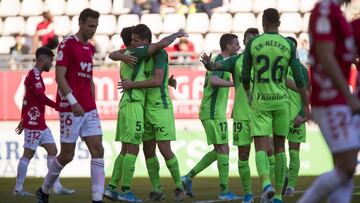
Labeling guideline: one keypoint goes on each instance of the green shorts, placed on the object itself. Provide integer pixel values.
(268, 122)
(216, 131)
(159, 125)
(130, 123)
(241, 133)
(297, 135)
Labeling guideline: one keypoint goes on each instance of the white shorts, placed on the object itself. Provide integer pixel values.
(338, 127)
(34, 138)
(71, 127)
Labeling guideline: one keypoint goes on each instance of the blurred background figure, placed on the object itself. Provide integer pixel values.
(188, 51)
(153, 6)
(45, 34)
(17, 51)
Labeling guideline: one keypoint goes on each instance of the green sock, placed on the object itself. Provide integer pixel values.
(223, 167)
(117, 172)
(245, 177)
(262, 166)
(153, 168)
(271, 167)
(128, 171)
(280, 173)
(294, 167)
(206, 161)
(173, 166)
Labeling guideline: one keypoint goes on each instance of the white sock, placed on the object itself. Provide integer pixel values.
(97, 178)
(323, 186)
(342, 194)
(57, 185)
(51, 176)
(21, 173)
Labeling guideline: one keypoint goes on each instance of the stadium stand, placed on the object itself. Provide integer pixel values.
(234, 16)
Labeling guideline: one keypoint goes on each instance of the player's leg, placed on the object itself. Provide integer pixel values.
(48, 143)
(281, 128)
(91, 133)
(294, 167)
(111, 190)
(271, 159)
(243, 140)
(153, 168)
(261, 130)
(340, 133)
(131, 134)
(51, 150)
(219, 128)
(29, 151)
(164, 130)
(205, 161)
(94, 144)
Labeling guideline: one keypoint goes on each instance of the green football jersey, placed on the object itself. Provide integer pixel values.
(270, 55)
(214, 99)
(296, 105)
(136, 73)
(158, 97)
(241, 108)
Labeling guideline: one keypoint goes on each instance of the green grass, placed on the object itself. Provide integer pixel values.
(203, 188)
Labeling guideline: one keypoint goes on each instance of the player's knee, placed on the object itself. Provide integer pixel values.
(65, 159)
(222, 148)
(243, 156)
(97, 152)
(166, 153)
(52, 151)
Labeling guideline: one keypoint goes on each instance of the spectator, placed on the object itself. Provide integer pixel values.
(140, 5)
(206, 6)
(45, 33)
(20, 47)
(187, 48)
(303, 52)
(16, 52)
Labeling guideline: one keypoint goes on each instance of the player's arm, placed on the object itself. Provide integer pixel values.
(216, 81)
(296, 68)
(60, 72)
(160, 64)
(165, 42)
(246, 71)
(120, 55)
(225, 65)
(37, 89)
(92, 85)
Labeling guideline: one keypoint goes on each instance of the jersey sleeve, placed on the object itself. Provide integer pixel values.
(296, 67)
(229, 64)
(140, 52)
(37, 88)
(247, 64)
(63, 53)
(305, 76)
(160, 60)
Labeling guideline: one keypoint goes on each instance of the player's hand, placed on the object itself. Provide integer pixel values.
(307, 114)
(354, 104)
(205, 59)
(125, 85)
(298, 121)
(181, 33)
(19, 128)
(129, 59)
(77, 110)
(172, 81)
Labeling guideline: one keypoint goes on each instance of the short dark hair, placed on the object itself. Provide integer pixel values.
(143, 31)
(251, 30)
(226, 39)
(271, 15)
(86, 13)
(126, 35)
(43, 51)
(292, 40)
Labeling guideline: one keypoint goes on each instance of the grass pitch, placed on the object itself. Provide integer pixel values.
(205, 189)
